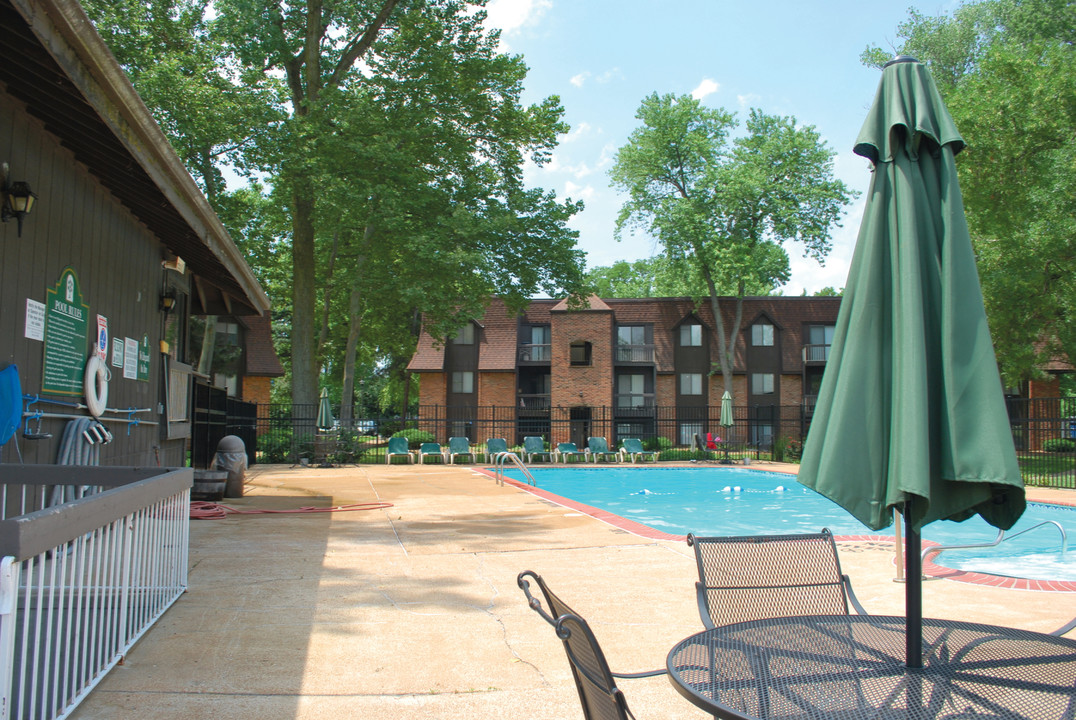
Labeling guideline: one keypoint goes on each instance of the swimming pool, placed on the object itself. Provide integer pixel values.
(739, 501)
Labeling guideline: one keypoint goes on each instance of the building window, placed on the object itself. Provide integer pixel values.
(688, 431)
(631, 335)
(631, 391)
(691, 335)
(579, 353)
(819, 339)
(465, 335)
(462, 383)
(691, 383)
(762, 335)
(762, 383)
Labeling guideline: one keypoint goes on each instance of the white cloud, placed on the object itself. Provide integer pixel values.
(577, 132)
(706, 87)
(512, 15)
(578, 192)
(746, 100)
(610, 75)
(579, 79)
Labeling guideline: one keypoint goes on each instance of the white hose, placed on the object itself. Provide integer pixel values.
(95, 385)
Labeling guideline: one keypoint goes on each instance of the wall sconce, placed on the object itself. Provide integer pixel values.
(16, 199)
(168, 301)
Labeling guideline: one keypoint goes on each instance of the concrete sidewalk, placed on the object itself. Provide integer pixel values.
(412, 611)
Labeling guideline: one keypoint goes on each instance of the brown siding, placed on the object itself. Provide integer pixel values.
(77, 223)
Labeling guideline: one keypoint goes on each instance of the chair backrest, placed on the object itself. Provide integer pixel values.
(598, 693)
(459, 446)
(753, 577)
(567, 448)
(430, 448)
(398, 446)
(496, 445)
(597, 445)
(632, 445)
(533, 444)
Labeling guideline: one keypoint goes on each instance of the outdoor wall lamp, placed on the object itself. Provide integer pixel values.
(168, 300)
(16, 199)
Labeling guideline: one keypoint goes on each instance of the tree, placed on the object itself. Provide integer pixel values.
(1007, 71)
(649, 277)
(724, 207)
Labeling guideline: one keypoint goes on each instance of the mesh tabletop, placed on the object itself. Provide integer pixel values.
(853, 667)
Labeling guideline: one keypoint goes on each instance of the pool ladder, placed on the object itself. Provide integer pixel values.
(938, 549)
(499, 461)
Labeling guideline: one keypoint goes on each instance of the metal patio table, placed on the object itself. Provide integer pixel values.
(852, 666)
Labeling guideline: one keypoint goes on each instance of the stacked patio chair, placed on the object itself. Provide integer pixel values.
(600, 449)
(598, 693)
(458, 446)
(765, 576)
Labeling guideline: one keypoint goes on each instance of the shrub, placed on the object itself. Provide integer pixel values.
(1059, 445)
(415, 438)
(659, 443)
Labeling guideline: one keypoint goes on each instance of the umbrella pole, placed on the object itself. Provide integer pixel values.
(913, 592)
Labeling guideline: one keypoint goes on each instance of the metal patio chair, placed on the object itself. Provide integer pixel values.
(601, 698)
(762, 576)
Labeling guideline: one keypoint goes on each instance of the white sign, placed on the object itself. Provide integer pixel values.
(35, 320)
(117, 352)
(130, 358)
(100, 348)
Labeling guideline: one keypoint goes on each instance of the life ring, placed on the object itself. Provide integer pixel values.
(95, 385)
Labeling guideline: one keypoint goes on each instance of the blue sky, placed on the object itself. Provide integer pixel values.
(787, 57)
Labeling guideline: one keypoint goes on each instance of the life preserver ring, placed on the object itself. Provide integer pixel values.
(95, 385)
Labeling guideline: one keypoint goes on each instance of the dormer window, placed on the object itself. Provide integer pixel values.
(465, 335)
(762, 334)
(691, 335)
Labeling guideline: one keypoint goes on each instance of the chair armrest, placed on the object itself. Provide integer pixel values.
(860, 610)
(704, 607)
(648, 673)
(1065, 628)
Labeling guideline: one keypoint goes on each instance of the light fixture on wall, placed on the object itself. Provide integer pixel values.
(16, 199)
(168, 300)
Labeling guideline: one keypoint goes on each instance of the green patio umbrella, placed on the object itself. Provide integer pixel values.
(726, 419)
(910, 415)
(325, 412)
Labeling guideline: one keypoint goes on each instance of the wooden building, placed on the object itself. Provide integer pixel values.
(118, 251)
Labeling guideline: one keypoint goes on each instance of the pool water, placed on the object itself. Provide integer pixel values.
(738, 501)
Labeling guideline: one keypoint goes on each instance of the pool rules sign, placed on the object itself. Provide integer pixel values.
(66, 323)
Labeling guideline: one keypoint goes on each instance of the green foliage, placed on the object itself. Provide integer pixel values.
(1007, 70)
(1059, 445)
(275, 447)
(786, 449)
(724, 206)
(658, 443)
(415, 438)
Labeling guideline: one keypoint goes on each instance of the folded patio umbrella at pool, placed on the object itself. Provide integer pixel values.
(325, 418)
(910, 414)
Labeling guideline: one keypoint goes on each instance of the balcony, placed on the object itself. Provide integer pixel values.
(531, 353)
(534, 406)
(636, 405)
(815, 354)
(635, 353)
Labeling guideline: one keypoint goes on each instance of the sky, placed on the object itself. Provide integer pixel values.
(796, 58)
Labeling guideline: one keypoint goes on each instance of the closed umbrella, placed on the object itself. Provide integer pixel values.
(325, 412)
(726, 419)
(910, 415)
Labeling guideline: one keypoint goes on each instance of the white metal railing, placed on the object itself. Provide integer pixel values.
(82, 581)
(499, 461)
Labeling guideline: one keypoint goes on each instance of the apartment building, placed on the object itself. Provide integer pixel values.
(623, 367)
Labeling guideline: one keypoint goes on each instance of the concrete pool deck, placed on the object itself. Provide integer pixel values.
(412, 611)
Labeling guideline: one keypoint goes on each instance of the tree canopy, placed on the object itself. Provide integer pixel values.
(722, 207)
(1007, 71)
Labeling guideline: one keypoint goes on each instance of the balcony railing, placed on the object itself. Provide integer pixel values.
(635, 353)
(634, 405)
(816, 353)
(529, 352)
(534, 406)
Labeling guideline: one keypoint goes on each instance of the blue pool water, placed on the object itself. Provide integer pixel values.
(735, 501)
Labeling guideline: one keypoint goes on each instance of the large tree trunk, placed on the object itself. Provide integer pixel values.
(304, 366)
(354, 330)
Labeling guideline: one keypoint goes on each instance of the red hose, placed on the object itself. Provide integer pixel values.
(201, 510)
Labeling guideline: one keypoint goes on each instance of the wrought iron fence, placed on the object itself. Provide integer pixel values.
(1044, 430)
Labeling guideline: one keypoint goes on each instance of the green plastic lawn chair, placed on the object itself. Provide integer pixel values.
(398, 448)
(633, 448)
(534, 445)
(430, 450)
(568, 450)
(460, 446)
(598, 448)
(494, 446)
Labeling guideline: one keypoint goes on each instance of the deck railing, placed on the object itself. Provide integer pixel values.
(92, 557)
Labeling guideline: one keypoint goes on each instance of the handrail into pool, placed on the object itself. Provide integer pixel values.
(499, 460)
(938, 549)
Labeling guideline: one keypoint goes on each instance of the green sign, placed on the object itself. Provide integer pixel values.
(143, 359)
(67, 319)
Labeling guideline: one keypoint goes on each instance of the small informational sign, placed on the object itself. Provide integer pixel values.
(143, 359)
(117, 352)
(130, 359)
(66, 324)
(35, 320)
(101, 348)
